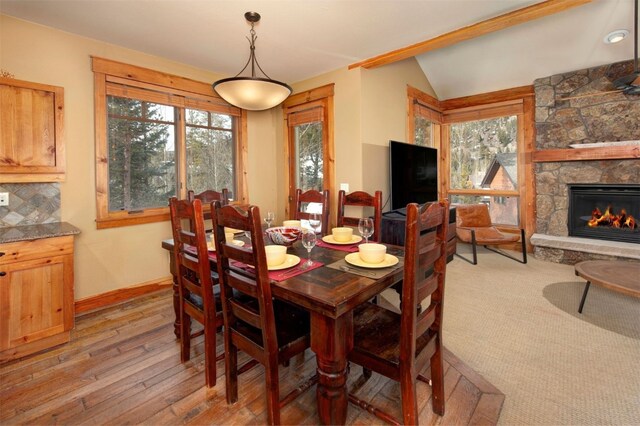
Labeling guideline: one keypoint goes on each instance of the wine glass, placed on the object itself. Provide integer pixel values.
(365, 227)
(314, 222)
(269, 218)
(309, 242)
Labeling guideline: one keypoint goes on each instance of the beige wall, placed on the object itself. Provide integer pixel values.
(112, 258)
(370, 109)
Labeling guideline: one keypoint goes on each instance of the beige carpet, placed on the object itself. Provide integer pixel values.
(518, 326)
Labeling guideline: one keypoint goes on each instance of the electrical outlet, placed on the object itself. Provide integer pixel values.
(4, 199)
(344, 187)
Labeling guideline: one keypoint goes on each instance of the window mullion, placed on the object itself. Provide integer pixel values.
(181, 153)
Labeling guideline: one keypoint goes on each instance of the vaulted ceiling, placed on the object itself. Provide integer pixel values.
(299, 39)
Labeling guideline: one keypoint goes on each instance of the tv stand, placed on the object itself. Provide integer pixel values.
(393, 229)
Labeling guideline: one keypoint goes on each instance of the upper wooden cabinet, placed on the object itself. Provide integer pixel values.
(31, 132)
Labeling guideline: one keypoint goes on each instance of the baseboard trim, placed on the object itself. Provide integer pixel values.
(121, 294)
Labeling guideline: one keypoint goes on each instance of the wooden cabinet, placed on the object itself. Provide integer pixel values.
(31, 132)
(36, 295)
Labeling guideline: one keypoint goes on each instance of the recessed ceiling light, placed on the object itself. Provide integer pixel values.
(616, 36)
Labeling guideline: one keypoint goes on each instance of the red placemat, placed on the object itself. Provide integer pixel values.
(350, 248)
(283, 274)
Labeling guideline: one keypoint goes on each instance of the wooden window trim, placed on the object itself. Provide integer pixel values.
(119, 79)
(418, 103)
(320, 97)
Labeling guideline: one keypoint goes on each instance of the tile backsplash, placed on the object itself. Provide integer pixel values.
(30, 203)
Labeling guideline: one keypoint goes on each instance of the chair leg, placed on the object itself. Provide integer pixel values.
(210, 356)
(437, 380)
(524, 246)
(523, 242)
(185, 336)
(584, 296)
(409, 399)
(231, 369)
(473, 247)
(272, 384)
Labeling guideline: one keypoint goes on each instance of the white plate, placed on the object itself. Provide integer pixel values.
(291, 261)
(329, 240)
(235, 231)
(354, 259)
(211, 245)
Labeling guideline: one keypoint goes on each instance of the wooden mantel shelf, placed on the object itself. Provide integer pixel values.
(585, 154)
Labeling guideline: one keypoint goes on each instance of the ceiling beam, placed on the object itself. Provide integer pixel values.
(519, 16)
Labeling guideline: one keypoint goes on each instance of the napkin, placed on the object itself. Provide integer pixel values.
(351, 248)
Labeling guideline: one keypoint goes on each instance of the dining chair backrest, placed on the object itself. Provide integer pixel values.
(255, 307)
(361, 199)
(313, 196)
(207, 197)
(425, 262)
(195, 281)
(268, 330)
(402, 346)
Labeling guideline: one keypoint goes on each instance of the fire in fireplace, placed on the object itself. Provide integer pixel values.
(609, 218)
(621, 207)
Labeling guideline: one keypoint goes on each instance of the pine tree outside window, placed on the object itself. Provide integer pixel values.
(158, 137)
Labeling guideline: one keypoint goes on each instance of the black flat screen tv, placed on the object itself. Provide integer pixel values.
(413, 171)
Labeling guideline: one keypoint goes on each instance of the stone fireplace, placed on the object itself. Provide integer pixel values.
(560, 123)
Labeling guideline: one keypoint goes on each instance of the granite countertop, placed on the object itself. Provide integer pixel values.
(11, 234)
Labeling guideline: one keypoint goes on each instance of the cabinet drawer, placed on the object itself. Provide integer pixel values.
(35, 249)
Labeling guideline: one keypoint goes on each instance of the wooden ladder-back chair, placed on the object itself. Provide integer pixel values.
(268, 330)
(400, 346)
(473, 226)
(313, 196)
(198, 300)
(362, 199)
(207, 197)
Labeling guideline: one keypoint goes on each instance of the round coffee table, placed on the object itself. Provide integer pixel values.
(615, 275)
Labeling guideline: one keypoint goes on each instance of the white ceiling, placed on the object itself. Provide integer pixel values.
(299, 39)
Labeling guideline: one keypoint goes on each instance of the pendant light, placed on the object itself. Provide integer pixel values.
(252, 93)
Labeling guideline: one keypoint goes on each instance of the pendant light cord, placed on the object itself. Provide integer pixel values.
(252, 56)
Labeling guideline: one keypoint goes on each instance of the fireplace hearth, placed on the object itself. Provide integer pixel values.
(605, 212)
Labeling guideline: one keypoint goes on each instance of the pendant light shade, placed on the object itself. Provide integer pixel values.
(252, 93)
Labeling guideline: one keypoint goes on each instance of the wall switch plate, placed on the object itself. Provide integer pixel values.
(344, 187)
(4, 199)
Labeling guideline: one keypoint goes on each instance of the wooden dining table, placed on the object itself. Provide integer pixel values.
(330, 295)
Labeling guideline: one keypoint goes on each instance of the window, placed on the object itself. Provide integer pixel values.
(309, 145)
(422, 134)
(424, 119)
(158, 136)
(484, 149)
(211, 152)
(141, 137)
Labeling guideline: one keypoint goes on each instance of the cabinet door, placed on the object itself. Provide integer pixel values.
(31, 146)
(34, 300)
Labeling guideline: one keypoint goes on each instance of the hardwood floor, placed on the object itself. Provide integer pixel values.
(122, 366)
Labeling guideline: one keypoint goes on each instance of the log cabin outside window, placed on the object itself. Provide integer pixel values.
(157, 138)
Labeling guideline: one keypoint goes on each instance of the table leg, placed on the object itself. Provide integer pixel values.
(584, 296)
(331, 340)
